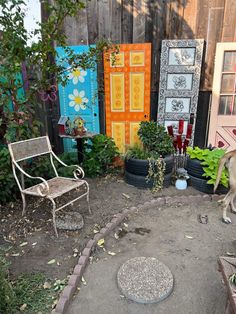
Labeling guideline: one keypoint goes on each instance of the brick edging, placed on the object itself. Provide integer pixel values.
(75, 278)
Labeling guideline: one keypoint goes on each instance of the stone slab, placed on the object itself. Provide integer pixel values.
(145, 280)
(70, 221)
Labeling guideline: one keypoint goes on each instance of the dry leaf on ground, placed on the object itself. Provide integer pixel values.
(52, 261)
(101, 242)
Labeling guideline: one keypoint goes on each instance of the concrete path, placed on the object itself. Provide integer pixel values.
(173, 235)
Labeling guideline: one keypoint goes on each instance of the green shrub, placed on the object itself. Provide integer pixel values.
(8, 188)
(155, 139)
(138, 152)
(98, 155)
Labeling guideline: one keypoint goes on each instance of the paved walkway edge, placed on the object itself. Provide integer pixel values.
(75, 278)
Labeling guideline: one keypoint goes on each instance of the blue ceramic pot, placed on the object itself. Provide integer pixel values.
(181, 184)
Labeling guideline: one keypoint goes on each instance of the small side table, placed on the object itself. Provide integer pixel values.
(79, 141)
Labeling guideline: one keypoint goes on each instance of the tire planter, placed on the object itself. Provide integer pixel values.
(141, 181)
(197, 181)
(140, 167)
(194, 168)
(202, 186)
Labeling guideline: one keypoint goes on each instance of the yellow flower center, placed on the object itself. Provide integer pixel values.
(78, 100)
(76, 72)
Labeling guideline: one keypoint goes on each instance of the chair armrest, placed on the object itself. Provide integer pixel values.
(78, 172)
(43, 188)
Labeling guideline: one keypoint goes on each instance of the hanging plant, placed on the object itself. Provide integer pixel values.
(156, 173)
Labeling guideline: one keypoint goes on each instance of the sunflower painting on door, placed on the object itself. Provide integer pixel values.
(80, 95)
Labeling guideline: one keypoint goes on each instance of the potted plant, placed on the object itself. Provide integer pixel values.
(150, 164)
(181, 179)
(202, 166)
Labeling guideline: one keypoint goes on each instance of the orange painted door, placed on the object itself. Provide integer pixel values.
(222, 127)
(127, 92)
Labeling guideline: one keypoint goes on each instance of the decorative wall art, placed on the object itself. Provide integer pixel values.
(79, 96)
(127, 92)
(179, 82)
(181, 56)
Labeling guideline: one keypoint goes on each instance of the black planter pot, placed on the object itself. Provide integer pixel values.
(194, 168)
(197, 181)
(136, 171)
(203, 186)
(140, 167)
(141, 181)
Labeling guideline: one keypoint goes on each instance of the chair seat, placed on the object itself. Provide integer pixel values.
(57, 187)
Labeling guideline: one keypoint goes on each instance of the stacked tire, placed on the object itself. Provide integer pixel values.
(197, 181)
(136, 172)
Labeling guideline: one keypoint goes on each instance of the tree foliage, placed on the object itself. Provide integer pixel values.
(18, 101)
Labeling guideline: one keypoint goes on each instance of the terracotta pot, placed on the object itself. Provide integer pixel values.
(118, 162)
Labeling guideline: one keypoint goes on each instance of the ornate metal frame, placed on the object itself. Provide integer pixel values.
(39, 146)
(180, 70)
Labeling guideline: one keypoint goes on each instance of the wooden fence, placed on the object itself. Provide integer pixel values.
(136, 21)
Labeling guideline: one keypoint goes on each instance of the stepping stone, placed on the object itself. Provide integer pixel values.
(145, 280)
(70, 221)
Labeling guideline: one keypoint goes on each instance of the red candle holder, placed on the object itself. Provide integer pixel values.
(170, 130)
(189, 131)
(181, 126)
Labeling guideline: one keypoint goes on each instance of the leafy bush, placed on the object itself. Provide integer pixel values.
(138, 152)
(155, 139)
(210, 162)
(98, 155)
(8, 187)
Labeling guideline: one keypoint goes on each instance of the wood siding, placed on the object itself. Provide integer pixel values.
(138, 21)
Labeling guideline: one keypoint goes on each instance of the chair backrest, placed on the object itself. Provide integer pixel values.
(30, 148)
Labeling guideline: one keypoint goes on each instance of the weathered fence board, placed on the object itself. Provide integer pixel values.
(229, 23)
(137, 21)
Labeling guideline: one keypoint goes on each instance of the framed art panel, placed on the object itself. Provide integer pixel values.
(179, 81)
(177, 105)
(180, 72)
(181, 56)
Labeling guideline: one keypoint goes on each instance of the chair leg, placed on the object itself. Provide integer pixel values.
(24, 203)
(89, 209)
(54, 216)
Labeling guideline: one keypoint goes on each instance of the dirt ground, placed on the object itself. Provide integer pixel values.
(173, 235)
(32, 238)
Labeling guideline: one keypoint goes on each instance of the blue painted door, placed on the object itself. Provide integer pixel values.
(80, 95)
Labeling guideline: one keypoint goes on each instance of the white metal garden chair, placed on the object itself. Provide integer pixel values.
(48, 189)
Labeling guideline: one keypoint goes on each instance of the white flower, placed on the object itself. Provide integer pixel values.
(77, 75)
(78, 100)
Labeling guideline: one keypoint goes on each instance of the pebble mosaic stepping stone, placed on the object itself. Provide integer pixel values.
(145, 280)
(70, 221)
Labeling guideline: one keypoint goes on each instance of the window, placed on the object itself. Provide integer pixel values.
(227, 105)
